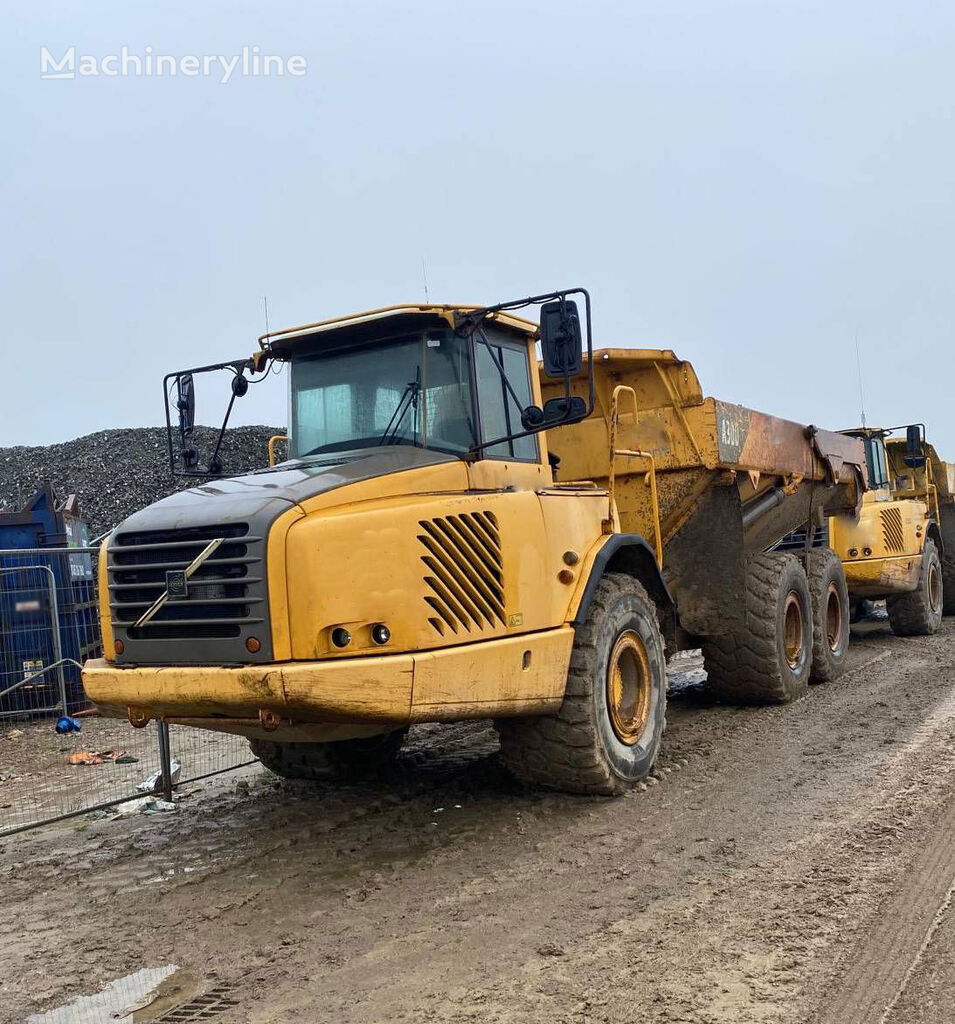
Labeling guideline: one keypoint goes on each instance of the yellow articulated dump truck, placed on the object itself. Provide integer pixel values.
(902, 545)
(458, 533)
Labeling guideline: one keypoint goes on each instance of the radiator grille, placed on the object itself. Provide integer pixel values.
(892, 531)
(465, 575)
(219, 601)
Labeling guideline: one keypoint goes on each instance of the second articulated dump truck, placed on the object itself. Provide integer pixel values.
(901, 546)
(419, 559)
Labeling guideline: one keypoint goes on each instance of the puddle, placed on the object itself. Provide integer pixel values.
(137, 997)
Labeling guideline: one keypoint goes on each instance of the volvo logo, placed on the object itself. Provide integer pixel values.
(177, 585)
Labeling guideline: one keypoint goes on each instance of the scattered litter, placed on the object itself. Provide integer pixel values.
(437, 810)
(145, 805)
(14, 733)
(91, 757)
(153, 783)
(132, 806)
(67, 724)
(84, 757)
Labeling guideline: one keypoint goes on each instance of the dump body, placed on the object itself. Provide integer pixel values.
(730, 481)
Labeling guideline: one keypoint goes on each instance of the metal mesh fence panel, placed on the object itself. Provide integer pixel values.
(58, 757)
(200, 753)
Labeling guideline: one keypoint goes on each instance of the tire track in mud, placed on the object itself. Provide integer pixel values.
(308, 894)
(878, 968)
(889, 955)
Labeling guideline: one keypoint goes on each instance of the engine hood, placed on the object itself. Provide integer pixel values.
(210, 627)
(267, 493)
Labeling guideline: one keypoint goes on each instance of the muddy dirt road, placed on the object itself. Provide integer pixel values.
(786, 865)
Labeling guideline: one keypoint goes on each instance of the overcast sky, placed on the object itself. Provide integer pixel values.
(753, 184)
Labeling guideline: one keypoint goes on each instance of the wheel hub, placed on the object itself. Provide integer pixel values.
(794, 630)
(935, 587)
(629, 688)
(833, 618)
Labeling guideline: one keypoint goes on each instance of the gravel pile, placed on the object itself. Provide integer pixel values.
(116, 472)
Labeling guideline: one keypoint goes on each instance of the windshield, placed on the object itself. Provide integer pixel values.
(407, 391)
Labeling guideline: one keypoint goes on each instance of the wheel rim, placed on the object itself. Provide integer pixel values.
(793, 630)
(629, 687)
(934, 587)
(833, 618)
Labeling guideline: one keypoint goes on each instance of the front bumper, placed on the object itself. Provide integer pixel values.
(878, 577)
(509, 676)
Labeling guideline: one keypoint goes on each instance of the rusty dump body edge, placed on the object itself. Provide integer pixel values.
(730, 481)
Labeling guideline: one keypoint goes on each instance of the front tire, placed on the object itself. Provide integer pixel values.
(919, 612)
(830, 615)
(765, 657)
(344, 759)
(607, 733)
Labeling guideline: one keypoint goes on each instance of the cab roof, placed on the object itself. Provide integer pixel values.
(385, 322)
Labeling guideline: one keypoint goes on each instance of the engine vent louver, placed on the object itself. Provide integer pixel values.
(465, 575)
(892, 532)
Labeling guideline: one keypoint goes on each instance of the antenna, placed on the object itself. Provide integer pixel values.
(265, 299)
(859, 369)
(424, 275)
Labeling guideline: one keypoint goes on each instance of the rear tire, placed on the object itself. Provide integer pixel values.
(919, 612)
(830, 615)
(345, 759)
(607, 733)
(765, 658)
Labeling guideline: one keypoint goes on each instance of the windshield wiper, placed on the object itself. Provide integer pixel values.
(408, 400)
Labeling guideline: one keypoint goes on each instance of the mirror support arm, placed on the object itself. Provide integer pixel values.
(474, 319)
(237, 366)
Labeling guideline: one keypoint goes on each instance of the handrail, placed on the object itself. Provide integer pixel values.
(273, 441)
(931, 487)
(631, 454)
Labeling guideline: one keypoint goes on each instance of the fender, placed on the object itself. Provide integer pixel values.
(629, 553)
(935, 533)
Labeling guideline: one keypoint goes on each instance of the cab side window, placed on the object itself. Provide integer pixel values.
(500, 415)
(878, 470)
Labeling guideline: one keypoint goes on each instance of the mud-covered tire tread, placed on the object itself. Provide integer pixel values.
(948, 586)
(316, 762)
(911, 614)
(825, 565)
(562, 751)
(742, 664)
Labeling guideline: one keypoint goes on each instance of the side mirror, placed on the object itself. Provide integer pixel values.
(914, 452)
(560, 338)
(186, 403)
(564, 410)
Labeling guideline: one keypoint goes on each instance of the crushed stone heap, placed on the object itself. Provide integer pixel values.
(115, 472)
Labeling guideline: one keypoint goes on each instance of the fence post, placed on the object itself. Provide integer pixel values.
(55, 638)
(165, 760)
